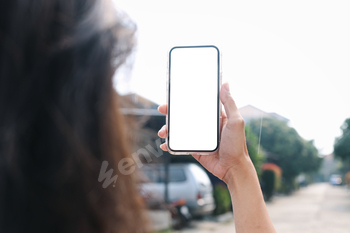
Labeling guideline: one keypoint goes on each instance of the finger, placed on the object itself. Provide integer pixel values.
(163, 132)
(228, 102)
(163, 109)
(164, 147)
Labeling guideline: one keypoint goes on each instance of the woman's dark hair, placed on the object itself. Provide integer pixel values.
(59, 118)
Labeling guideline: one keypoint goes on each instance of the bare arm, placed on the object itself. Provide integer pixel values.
(248, 203)
(232, 164)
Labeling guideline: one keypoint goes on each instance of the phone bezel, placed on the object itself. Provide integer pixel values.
(177, 152)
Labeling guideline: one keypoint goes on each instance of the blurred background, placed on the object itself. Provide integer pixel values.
(287, 63)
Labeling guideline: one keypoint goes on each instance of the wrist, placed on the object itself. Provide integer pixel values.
(239, 171)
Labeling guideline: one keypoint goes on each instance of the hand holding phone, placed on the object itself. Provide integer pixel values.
(232, 152)
(194, 122)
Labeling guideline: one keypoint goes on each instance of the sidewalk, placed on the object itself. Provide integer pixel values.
(318, 208)
(221, 224)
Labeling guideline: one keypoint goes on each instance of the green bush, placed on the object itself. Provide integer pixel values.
(222, 199)
(288, 186)
(268, 180)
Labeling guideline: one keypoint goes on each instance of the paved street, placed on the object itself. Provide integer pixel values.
(318, 208)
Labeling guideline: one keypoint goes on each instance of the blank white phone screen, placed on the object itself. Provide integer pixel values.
(193, 99)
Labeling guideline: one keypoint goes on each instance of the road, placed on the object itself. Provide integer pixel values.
(318, 208)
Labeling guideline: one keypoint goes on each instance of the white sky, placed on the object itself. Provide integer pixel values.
(288, 57)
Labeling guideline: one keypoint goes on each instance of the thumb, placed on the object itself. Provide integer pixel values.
(228, 102)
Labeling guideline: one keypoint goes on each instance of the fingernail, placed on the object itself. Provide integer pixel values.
(227, 87)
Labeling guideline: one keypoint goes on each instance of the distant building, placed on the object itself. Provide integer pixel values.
(144, 121)
(250, 112)
(143, 110)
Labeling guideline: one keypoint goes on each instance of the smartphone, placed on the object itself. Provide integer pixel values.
(194, 108)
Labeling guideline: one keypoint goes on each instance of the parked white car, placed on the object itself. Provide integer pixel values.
(186, 181)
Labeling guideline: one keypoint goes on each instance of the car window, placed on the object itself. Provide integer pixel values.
(177, 175)
(156, 175)
(152, 175)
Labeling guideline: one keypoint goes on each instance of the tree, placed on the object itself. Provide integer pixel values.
(252, 146)
(284, 147)
(342, 143)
